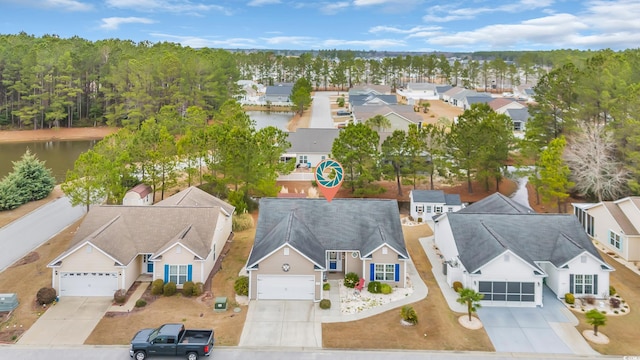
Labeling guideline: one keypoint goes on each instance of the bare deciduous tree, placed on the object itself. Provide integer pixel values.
(594, 167)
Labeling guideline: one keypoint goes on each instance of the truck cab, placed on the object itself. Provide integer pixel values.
(171, 340)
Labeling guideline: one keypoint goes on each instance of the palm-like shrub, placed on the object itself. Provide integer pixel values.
(241, 286)
(471, 298)
(409, 315)
(596, 318)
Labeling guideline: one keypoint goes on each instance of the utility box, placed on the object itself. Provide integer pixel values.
(8, 302)
(220, 304)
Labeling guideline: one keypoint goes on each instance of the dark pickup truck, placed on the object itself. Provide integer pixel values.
(172, 340)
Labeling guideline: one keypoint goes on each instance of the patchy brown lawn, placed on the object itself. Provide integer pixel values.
(436, 320)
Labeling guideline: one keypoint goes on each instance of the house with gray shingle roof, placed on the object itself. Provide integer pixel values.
(425, 204)
(309, 146)
(278, 93)
(519, 117)
(613, 225)
(400, 116)
(371, 99)
(508, 254)
(299, 242)
(178, 239)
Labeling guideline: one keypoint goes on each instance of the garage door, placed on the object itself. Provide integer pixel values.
(288, 287)
(507, 291)
(88, 284)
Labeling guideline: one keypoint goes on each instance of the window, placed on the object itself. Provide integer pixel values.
(438, 209)
(428, 208)
(450, 209)
(419, 208)
(178, 274)
(583, 284)
(517, 126)
(615, 240)
(385, 272)
(585, 219)
(302, 159)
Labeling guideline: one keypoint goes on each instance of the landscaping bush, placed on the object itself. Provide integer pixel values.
(409, 315)
(198, 289)
(419, 219)
(187, 288)
(169, 289)
(612, 290)
(141, 303)
(569, 298)
(325, 304)
(242, 222)
(590, 299)
(351, 280)
(241, 286)
(340, 101)
(120, 296)
(614, 302)
(46, 295)
(374, 287)
(386, 289)
(457, 286)
(326, 286)
(157, 287)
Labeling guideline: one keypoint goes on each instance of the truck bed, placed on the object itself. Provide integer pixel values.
(196, 337)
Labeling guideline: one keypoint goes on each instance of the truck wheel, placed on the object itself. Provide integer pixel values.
(140, 355)
(192, 356)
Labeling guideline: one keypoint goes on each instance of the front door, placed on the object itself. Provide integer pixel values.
(335, 261)
(146, 264)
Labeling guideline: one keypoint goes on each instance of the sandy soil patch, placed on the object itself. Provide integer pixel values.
(56, 134)
(591, 336)
(473, 324)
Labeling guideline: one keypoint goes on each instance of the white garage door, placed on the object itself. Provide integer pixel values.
(88, 284)
(286, 287)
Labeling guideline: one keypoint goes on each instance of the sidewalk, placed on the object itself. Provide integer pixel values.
(447, 291)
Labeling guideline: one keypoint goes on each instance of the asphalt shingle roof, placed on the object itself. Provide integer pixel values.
(313, 226)
(312, 140)
(497, 204)
(435, 196)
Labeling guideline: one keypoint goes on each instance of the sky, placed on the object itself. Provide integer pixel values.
(383, 25)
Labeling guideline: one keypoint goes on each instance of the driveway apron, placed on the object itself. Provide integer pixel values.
(69, 322)
(549, 329)
(276, 323)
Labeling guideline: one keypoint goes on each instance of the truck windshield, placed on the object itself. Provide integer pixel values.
(154, 334)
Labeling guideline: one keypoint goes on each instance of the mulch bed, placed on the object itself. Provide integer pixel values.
(27, 259)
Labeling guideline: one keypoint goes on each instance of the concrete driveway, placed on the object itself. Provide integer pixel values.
(69, 322)
(547, 330)
(276, 323)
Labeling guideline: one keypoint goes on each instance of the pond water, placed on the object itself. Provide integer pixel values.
(58, 156)
(271, 118)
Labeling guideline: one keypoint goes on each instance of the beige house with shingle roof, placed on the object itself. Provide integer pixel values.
(613, 224)
(179, 239)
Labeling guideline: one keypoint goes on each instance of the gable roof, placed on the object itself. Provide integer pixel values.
(478, 99)
(366, 112)
(621, 218)
(309, 140)
(498, 103)
(358, 100)
(141, 189)
(314, 226)
(497, 203)
(193, 196)
(521, 115)
(556, 238)
(421, 86)
(435, 196)
(282, 89)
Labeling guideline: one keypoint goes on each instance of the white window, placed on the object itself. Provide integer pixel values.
(385, 272)
(438, 209)
(419, 208)
(615, 240)
(302, 159)
(178, 274)
(428, 208)
(583, 284)
(450, 209)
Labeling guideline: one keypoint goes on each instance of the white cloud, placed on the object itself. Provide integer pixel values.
(174, 6)
(447, 13)
(201, 42)
(334, 7)
(378, 2)
(113, 23)
(64, 5)
(395, 30)
(361, 44)
(263, 2)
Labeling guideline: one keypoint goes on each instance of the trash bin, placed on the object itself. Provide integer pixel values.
(220, 304)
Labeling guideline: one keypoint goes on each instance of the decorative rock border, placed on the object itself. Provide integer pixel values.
(474, 324)
(600, 339)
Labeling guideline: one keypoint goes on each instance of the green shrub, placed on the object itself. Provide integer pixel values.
(141, 303)
(351, 280)
(157, 287)
(612, 290)
(325, 304)
(409, 315)
(326, 286)
(242, 222)
(569, 298)
(46, 295)
(198, 289)
(236, 198)
(457, 286)
(120, 296)
(614, 302)
(241, 286)
(340, 101)
(374, 287)
(187, 288)
(419, 219)
(386, 289)
(169, 289)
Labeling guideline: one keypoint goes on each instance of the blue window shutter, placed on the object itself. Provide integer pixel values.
(372, 272)
(595, 284)
(166, 273)
(571, 283)
(189, 272)
(397, 275)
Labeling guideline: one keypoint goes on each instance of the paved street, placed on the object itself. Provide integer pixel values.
(30, 231)
(321, 112)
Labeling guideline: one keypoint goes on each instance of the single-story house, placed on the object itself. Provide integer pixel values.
(278, 93)
(400, 116)
(178, 239)
(502, 104)
(508, 256)
(370, 89)
(371, 99)
(427, 203)
(298, 242)
(309, 146)
(141, 194)
(613, 224)
(519, 118)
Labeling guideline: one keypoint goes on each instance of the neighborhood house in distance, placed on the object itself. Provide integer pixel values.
(178, 239)
(300, 241)
(508, 253)
(425, 204)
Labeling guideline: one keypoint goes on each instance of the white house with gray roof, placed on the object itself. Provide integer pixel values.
(425, 204)
(508, 253)
(300, 242)
(309, 146)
